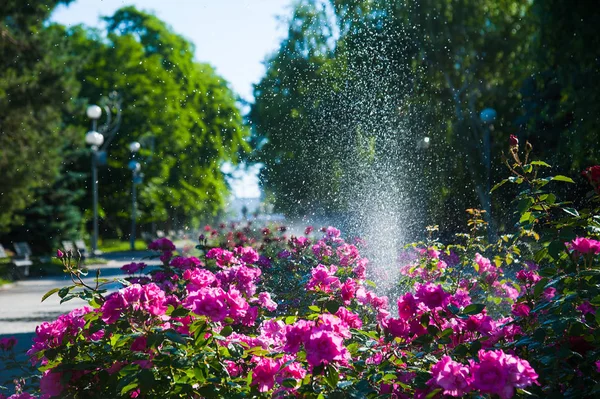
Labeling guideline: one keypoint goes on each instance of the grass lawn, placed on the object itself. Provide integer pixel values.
(120, 246)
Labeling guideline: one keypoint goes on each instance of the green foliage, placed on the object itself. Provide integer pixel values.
(54, 217)
(36, 84)
(184, 115)
(369, 80)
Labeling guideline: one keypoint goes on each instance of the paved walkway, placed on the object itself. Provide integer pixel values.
(21, 309)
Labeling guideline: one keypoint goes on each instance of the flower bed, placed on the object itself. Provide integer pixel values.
(261, 314)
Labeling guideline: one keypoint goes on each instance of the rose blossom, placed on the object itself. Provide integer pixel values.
(431, 295)
(485, 266)
(407, 306)
(521, 310)
(7, 343)
(584, 246)
(263, 374)
(451, 376)
(324, 347)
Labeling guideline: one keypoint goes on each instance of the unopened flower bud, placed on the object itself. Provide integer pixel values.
(513, 141)
(59, 254)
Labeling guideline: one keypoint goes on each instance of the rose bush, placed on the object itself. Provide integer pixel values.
(263, 314)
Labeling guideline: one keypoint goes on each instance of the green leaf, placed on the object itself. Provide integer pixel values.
(524, 204)
(332, 377)
(556, 248)
(453, 309)
(571, 211)
(473, 308)
(129, 387)
(47, 294)
(314, 308)
(475, 346)
(433, 393)
(332, 306)
(446, 332)
(179, 312)
(562, 178)
(226, 331)
(498, 185)
(540, 286)
(540, 163)
(525, 217)
(64, 291)
(289, 383)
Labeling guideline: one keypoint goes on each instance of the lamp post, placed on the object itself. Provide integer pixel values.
(99, 138)
(488, 117)
(95, 140)
(135, 168)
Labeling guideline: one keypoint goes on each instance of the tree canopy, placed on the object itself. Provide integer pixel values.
(35, 87)
(185, 116)
(361, 90)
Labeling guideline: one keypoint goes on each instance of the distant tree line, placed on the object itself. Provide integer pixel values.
(359, 82)
(183, 113)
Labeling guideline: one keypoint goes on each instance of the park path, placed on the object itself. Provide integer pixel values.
(21, 309)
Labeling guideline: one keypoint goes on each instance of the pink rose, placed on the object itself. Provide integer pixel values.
(324, 347)
(454, 378)
(584, 246)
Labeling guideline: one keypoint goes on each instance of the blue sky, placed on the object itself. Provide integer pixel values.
(234, 36)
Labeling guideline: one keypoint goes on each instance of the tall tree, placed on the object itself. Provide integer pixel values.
(183, 113)
(36, 83)
(404, 76)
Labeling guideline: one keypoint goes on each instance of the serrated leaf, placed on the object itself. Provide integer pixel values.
(47, 294)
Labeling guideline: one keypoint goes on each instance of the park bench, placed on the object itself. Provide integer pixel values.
(21, 260)
(147, 237)
(75, 247)
(68, 246)
(82, 248)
